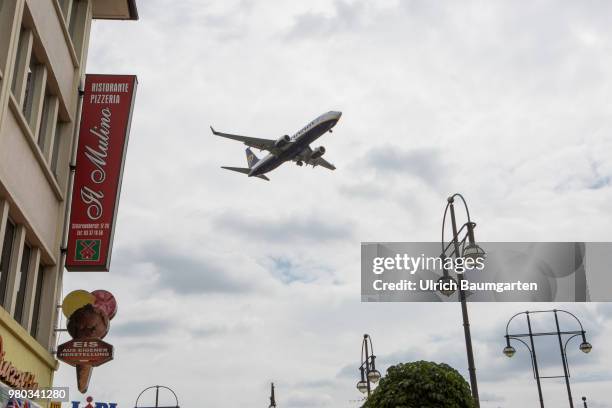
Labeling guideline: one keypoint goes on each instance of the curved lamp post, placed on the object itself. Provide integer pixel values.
(585, 347)
(462, 245)
(157, 387)
(369, 373)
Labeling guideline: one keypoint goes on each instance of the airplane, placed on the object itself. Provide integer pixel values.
(287, 148)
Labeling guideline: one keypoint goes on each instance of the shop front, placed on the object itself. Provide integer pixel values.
(24, 364)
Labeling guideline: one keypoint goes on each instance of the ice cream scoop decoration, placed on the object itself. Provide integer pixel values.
(89, 315)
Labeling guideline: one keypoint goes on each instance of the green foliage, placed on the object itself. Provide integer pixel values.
(421, 384)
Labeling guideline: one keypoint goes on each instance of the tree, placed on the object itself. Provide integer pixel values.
(421, 384)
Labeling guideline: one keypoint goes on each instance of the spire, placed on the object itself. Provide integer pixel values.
(272, 398)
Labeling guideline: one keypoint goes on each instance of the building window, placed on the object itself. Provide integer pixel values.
(74, 17)
(37, 302)
(29, 80)
(56, 147)
(77, 24)
(22, 66)
(28, 96)
(65, 5)
(23, 281)
(44, 123)
(75, 13)
(23, 51)
(48, 127)
(34, 96)
(5, 258)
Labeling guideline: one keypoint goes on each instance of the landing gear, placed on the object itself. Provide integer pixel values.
(299, 163)
(330, 131)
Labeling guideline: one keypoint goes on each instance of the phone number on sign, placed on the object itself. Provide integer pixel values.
(55, 393)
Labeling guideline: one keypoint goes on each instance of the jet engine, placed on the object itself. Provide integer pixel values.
(282, 141)
(318, 152)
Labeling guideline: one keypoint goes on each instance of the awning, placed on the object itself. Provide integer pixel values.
(115, 10)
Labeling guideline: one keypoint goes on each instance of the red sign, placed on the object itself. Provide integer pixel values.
(103, 138)
(91, 352)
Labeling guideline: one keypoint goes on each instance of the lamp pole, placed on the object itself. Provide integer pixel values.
(509, 351)
(369, 374)
(534, 359)
(585, 347)
(470, 251)
(565, 370)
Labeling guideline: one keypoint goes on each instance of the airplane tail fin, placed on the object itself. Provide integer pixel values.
(251, 158)
(252, 161)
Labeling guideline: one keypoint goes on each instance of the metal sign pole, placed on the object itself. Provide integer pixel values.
(157, 387)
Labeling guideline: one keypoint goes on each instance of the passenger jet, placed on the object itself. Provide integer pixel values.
(287, 148)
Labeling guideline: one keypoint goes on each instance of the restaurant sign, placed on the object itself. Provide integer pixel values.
(103, 136)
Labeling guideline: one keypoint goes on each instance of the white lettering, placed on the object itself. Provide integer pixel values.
(92, 199)
(97, 156)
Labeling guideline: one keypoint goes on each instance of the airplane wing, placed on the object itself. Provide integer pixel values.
(322, 162)
(262, 144)
(304, 156)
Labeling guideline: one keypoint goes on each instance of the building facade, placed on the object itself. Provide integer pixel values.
(43, 54)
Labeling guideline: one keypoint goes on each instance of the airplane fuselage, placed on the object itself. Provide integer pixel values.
(299, 141)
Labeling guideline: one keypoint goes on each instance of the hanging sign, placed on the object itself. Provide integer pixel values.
(103, 136)
(89, 315)
(92, 352)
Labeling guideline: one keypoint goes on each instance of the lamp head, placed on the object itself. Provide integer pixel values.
(474, 252)
(586, 347)
(374, 376)
(448, 285)
(362, 386)
(509, 351)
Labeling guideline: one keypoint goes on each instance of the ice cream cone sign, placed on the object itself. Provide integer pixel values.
(88, 314)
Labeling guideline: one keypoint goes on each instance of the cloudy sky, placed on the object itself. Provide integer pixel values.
(227, 283)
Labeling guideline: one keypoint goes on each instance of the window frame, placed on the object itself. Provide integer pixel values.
(47, 131)
(56, 150)
(38, 295)
(6, 257)
(25, 44)
(22, 281)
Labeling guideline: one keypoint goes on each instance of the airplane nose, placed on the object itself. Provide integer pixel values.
(337, 114)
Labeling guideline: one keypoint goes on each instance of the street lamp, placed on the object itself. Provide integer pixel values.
(509, 351)
(369, 374)
(157, 387)
(465, 248)
(447, 283)
(585, 347)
